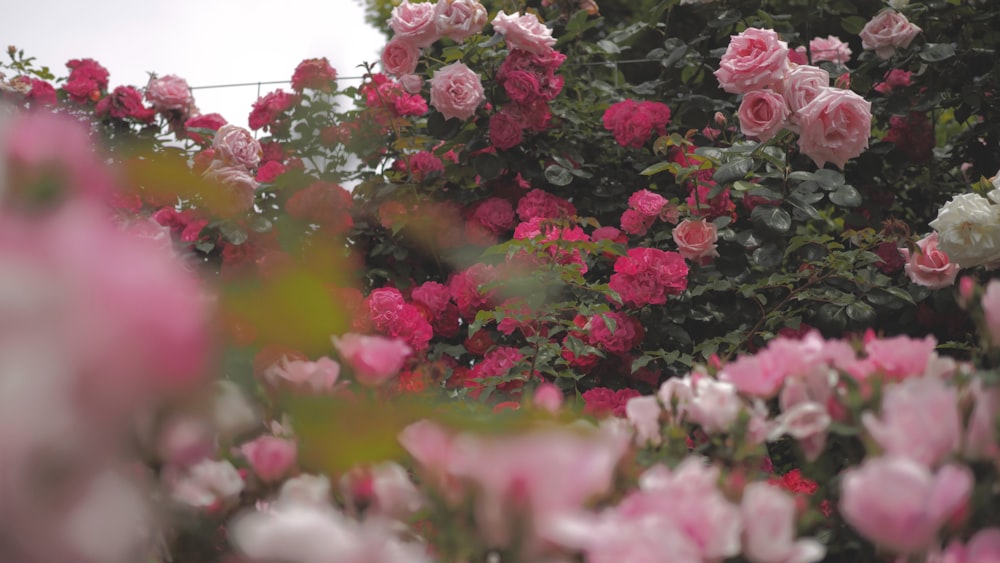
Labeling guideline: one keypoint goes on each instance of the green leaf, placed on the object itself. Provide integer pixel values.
(846, 196)
(861, 312)
(731, 171)
(937, 52)
(773, 218)
(853, 25)
(488, 166)
(661, 167)
(233, 233)
(558, 176)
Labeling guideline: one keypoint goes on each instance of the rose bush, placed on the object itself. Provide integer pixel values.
(565, 213)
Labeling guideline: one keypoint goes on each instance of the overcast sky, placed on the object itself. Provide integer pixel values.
(207, 42)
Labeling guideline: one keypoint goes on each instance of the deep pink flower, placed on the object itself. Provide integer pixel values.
(212, 121)
(125, 102)
(505, 130)
(541, 204)
(87, 80)
(601, 401)
(646, 276)
(268, 111)
(314, 74)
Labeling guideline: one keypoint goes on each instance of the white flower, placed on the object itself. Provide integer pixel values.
(968, 229)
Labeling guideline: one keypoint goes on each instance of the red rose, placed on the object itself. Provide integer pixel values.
(123, 103)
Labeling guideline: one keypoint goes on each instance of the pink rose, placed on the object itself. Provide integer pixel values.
(315, 377)
(801, 85)
(886, 32)
(522, 87)
(991, 310)
(412, 84)
(769, 518)
(400, 56)
(456, 91)
(524, 32)
(830, 49)
(895, 78)
(762, 114)
(505, 131)
(647, 203)
(374, 359)
(919, 421)
(696, 240)
(270, 457)
(314, 74)
(899, 504)
(755, 59)
(643, 413)
(459, 19)
(930, 267)
(835, 127)
(414, 23)
(209, 121)
(235, 146)
(548, 397)
(495, 214)
(169, 93)
(239, 184)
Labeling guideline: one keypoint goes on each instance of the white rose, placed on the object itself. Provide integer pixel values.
(968, 229)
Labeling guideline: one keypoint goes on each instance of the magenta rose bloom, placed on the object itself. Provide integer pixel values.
(763, 114)
(87, 80)
(645, 276)
(267, 111)
(633, 122)
(315, 74)
(456, 91)
(755, 59)
(210, 121)
(125, 102)
(505, 131)
(835, 127)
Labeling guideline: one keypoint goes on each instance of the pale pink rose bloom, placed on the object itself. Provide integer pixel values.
(769, 528)
(374, 359)
(755, 59)
(762, 114)
(898, 504)
(984, 547)
(539, 475)
(169, 92)
(459, 20)
(675, 395)
(271, 458)
(400, 56)
(316, 377)
(411, 82)
(715, 405)
(887, 31)
(696, 239)
(807, 422)
(307, 533)
(429, 444)
(235, 146)
(835, 127)
(644, 415)
(991, 310)
(185, 440)
(384, 489)
(207, 484)
(414, 23)
(830, 49)
(239, 184)
(456, 91)
(901, 357)
(801, 85)
(930, 267)
(305, 489)
(524, 32)
(981, 435)
(548, 397)
(919, 420)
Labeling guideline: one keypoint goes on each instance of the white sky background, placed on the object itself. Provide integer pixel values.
(206, 42)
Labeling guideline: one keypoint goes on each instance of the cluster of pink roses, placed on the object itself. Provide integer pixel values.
(632, 122)
(646, 276)
(644, 209)
(528, 78)
(833, 124)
